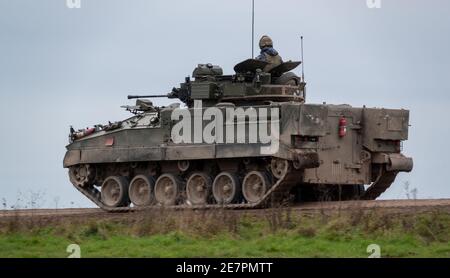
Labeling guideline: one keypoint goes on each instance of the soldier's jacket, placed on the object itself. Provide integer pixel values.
(269, 54)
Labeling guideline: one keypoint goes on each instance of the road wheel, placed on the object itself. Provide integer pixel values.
(115, 191)
(141, 190)
(255, 186)
(168, 189)
(226, 188)
(198, 188)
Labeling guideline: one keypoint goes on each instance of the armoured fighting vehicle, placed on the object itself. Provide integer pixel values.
(211, 153)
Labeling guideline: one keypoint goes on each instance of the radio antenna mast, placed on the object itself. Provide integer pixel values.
(253, 28)
(303, 61)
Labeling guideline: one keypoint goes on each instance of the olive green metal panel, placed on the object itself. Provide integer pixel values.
(188, 152)
(72, 158)
(234, 89)
(382, 126)
(312, 120)
(342, 159)
(204, 90)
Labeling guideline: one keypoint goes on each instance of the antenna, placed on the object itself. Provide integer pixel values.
(253, 28)
(303, 61)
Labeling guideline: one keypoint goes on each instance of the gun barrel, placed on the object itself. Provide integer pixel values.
(146, 96)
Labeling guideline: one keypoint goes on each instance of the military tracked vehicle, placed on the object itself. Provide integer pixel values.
(316, 152)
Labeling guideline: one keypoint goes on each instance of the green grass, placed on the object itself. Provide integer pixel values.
(172, 235)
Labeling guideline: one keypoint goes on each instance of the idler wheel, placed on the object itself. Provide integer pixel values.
(115, 191)
(255, 186)
(279, 167)
(82, 175)
(167, 189)
(141, 190)
(198, 188)
(226, 188)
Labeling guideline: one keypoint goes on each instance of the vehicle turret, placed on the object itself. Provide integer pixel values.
(250, 85)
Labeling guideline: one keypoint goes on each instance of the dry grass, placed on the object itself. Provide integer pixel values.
(274, 232)
(429, 227)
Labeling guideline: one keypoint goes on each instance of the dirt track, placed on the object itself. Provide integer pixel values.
(389, 205)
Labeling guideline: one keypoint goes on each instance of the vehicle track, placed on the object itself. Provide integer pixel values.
(390, 205)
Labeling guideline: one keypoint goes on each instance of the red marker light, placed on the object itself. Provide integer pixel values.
(109, 142)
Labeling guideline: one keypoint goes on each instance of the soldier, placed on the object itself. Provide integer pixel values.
(268, 53)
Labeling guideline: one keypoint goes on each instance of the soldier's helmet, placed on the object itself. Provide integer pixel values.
(265, 41)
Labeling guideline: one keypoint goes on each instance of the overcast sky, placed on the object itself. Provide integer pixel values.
(62, 67)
